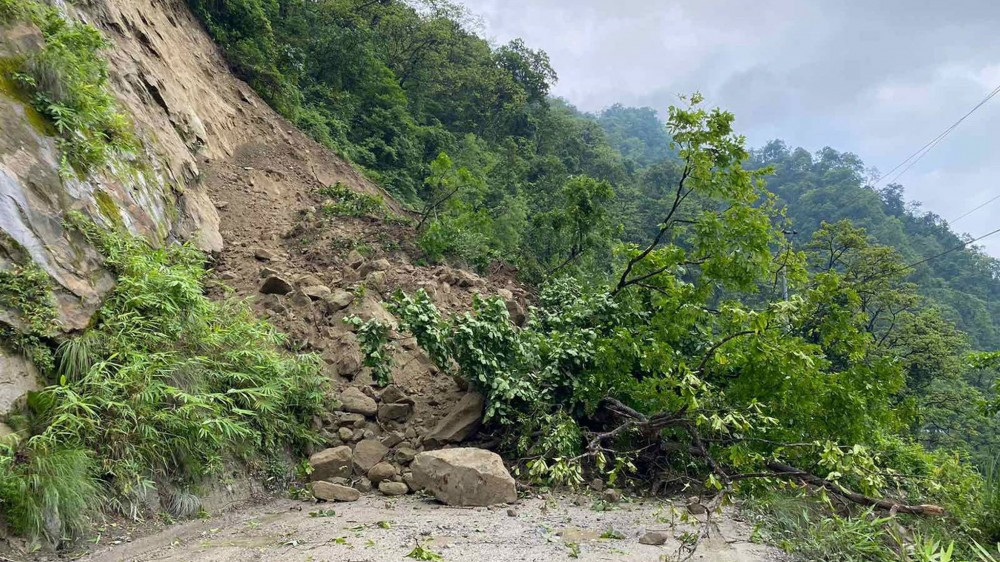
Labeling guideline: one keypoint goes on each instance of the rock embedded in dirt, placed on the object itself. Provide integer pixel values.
(337, 300)
(655, 537)
(695, 507)
(334, 492)
(463, 420)
(316, 292)
(405, 455)
(263, 254)
(355, 259)
(335, 462)
(392, 394)
(380, 264)
(354, 401)
(395, 412)
(308, 280)
(392, 439)
(611, 495)
(382, 471)
(464, 476)
(368, 453)
(276, 285)
(363, 485)
(393, 488)
(300, 299)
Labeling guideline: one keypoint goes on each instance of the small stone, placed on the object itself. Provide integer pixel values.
(380, 264)
(263, 254)
(655, 537)
(349, 419)
(395, 412)
(307, 280)
(338, 299)
(345, 434)
(363, 485)
(393, 488)
(511, 513)
(611, 495)
(597, 484)
(695, 507)
(410, 482)
(381, 471)
(298, 298)
(405, 455)
(355, 259)
(266, 272)
(334, 492)
(392, 439)
(275, 285)
(353, 400)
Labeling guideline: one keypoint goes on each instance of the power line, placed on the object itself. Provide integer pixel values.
(912, 159)
(955, 249)
(960, 217)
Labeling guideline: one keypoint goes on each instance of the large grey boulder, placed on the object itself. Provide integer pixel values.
(463, 420)
(464, 476)
(335, 462)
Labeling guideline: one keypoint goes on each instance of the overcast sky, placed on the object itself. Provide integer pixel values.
(877, 78)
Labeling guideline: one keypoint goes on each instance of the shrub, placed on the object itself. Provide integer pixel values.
(344, 201)
(166, 387)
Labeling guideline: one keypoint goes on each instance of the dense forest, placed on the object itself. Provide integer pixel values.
(760, 324)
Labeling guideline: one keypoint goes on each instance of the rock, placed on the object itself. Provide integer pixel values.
(353, 400)
(345, 434)
(405, 455)
(395, 412)
(316, 292)
(350, 419)
(392, 394)
(334, 492)
(263, 254)
(355, 259)
(380, 264)
(392, 439)
(199, 221)
(694, 506)
(464, 476)
(393, 488)
(655, 537)
(368, 453)
(307, 280)
(464, 420)
(300, 299)
(410, 482)
(7, 434)
(511, 512)
(266, 272)
(381, 471)
(363, 485)
(334, 462)
(276, 285)
(338, 299)
(18, 377)
(597, 484)
(611, 495)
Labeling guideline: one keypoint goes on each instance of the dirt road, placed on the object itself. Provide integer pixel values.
(556, 527)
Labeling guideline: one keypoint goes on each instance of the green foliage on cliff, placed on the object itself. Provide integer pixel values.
(165, 389)
(67, 82)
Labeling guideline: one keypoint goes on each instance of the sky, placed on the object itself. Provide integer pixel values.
(879, 79)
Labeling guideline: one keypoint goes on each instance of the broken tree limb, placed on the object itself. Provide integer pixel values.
(788, 471)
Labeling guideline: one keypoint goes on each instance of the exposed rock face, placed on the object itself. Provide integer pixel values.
(335, 462)
(17, 378)
(462, 422)
(464, 476)
(334, 492)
